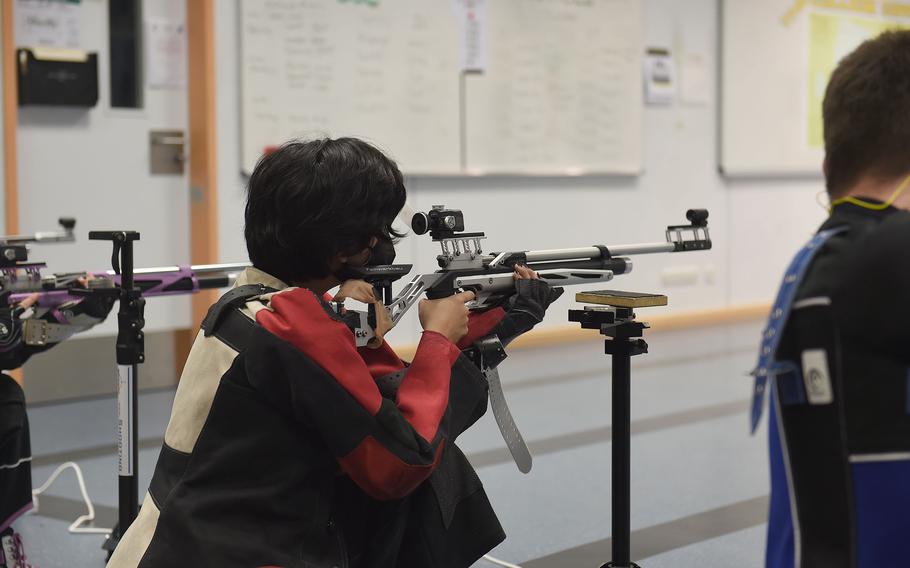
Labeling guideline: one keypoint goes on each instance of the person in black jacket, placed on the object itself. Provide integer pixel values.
(288, 445)
(839, 434)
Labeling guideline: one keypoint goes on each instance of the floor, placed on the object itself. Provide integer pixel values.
(699, 480)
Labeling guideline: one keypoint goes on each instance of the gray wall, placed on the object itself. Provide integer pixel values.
(86, 367)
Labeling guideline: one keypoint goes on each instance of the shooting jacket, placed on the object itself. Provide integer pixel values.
(839, 434)
(15, 445)
(299, 450)
(15, 453)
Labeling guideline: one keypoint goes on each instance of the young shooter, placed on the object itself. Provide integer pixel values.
(289, 446)
(840, 387)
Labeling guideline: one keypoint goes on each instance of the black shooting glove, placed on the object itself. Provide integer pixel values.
(96, 306)
(526, 308)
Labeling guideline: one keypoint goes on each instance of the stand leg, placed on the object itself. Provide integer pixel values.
(128, 446)
(621, 456)
(620, 325)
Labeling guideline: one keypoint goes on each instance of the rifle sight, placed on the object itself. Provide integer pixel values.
(441, 223)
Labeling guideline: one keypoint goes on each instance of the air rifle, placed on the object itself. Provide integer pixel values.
(464, 266)
(20, 278)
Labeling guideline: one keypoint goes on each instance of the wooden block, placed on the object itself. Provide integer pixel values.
(621, 299)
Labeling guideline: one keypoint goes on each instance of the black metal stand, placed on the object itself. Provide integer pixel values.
(623, 333)
(130, 353)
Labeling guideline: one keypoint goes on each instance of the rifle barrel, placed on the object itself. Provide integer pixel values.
(594, 252)
(196, 269)
(641, 248)
(551, 255)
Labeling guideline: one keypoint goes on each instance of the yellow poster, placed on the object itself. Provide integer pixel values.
(831, 37)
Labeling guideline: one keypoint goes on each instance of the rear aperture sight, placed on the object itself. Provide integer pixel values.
(439, 222)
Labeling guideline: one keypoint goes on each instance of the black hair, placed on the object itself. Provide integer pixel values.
(308, 201)
(866, 113)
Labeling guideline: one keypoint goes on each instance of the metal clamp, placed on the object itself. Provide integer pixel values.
(35, 332)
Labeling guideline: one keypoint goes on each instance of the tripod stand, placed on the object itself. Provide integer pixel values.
(130, 353)
(613, 314)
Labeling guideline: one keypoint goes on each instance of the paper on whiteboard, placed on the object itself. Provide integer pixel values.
(472, 34)
(165, 53)
(48, 23)
(660, 77)
(541, 109)
(387, 72)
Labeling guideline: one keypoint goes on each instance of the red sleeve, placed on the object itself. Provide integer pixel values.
(381, 361)
(424, 392)
(297, 317)
(481, 324)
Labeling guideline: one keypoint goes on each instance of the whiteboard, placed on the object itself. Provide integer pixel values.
(776, 58)
(384, 71)
(562, 93)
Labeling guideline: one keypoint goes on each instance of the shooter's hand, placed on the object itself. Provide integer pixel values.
(359, 290)
(28, 302)
(83, 281)
(363, 291)
(526, 308)
(448, 316)
(524, 273)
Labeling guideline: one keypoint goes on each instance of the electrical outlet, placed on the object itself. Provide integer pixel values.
(680, 276)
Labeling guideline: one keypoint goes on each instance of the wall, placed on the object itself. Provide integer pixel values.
(755, 223)
(93, 165)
